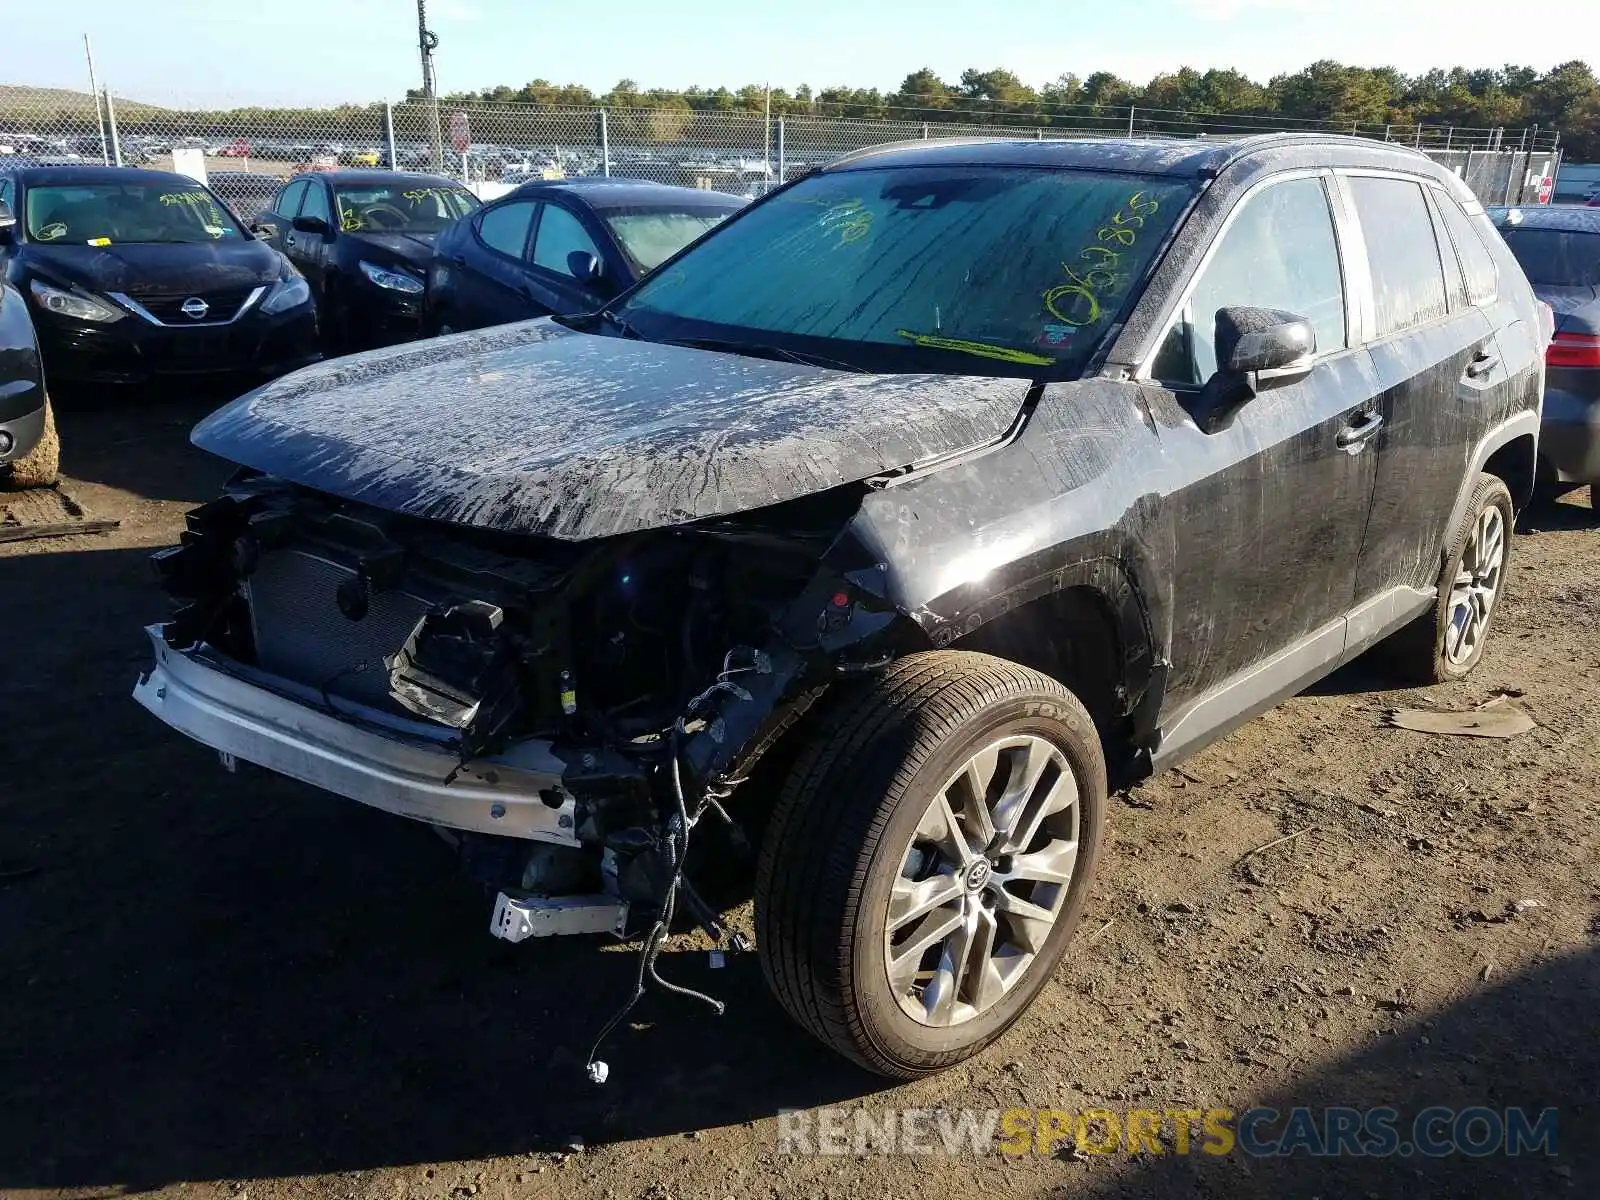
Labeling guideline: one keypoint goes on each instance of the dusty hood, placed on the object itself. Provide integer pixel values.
(533, 428)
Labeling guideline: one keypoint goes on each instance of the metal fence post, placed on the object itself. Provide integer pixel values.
(388, 127)
(605, 146)
(1130, 120)
(111, 121)
(924, 131)
(1449, 133)
(1419, 135)
(780, 152)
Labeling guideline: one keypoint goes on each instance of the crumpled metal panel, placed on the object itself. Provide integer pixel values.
(536, 429)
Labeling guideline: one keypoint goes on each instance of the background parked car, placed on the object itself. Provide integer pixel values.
(363, 240)
(564, 246)
(30, 452)
(134, 274)
(1559, 249)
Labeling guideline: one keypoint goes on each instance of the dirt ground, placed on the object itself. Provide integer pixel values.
(233, 986)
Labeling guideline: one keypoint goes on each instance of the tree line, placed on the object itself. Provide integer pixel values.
(1565, 98)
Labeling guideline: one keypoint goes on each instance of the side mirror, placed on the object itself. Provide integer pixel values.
(8, 223)
(585, 266)
(312, 225)
(1254, 347)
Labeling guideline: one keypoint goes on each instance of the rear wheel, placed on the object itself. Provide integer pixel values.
(1447, 642)
(41, 467)
(929, 858)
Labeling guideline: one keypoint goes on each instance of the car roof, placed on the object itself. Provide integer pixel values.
(600, 192)
(380, 177)
(1569, 218)
(42, 175)
(1179, 157)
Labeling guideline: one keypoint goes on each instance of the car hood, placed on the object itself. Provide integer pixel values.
(159, 270)
(533, 428)
(415, 249)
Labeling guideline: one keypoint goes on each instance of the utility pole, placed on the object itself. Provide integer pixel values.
(427, 43)
(94, 90)
(766, 124)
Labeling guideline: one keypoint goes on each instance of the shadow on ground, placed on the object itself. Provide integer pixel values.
(213, 976)
(137, 440)
(1529, 1042)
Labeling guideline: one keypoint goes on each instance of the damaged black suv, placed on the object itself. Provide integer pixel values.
(883, 524)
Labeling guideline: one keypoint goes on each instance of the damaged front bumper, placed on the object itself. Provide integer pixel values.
(518, 794)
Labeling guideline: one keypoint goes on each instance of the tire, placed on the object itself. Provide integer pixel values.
(1427, 651)
(41, 467)
(852, 828)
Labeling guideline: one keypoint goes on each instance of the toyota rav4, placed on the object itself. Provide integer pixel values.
(878, 528)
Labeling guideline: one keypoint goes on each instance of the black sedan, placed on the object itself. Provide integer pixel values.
(1559, 250)
(363, 240)
(561, 247)
(138, 274)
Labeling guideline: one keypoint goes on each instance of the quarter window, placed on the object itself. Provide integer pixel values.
(560, 233)
(1402, 254)
(1280, 252)
(504, 227)
(1483, 281)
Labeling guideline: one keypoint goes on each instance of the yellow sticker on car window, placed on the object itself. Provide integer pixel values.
(99, 241)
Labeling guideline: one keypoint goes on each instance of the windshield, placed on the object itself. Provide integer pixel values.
(651, 236)
(401, 207)
(100, 214)
(980, 270)
(1555, 257)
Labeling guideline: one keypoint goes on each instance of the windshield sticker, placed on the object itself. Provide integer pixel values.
(100, 241)
(1056, 335)
(185, 198)
(350, 220)
(1098, 279)
(51, 232)
(215, 231)
(416, 195)
(934, 341)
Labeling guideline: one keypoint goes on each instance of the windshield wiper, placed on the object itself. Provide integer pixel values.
(617, 319)
(756, 350)
(934, 341)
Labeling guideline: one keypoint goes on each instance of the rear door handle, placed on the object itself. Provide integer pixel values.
(1482, 363)
(1361, 430)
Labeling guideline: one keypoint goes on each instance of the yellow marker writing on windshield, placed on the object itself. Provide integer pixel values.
(982, 349)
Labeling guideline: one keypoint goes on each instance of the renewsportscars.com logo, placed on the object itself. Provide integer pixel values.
(1434, 1132)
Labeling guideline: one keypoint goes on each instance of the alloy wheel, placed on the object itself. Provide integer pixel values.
(983, 881)
(1477, 586)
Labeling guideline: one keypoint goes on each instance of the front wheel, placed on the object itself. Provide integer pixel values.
(928, 859)
(41, 466)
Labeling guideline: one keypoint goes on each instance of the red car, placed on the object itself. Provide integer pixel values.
(238, 148)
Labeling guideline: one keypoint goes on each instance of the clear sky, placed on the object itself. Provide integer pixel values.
(325, 51)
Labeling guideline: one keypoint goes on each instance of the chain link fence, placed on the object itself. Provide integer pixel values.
(736, 151)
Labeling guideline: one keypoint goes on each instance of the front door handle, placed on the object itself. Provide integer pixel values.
(1482, 363)
(1361, 430)
(289, 241)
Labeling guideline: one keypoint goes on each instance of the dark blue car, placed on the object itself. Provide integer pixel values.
(561, 246)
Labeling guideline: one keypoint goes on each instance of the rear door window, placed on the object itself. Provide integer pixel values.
(1280, 252)
(1402, 254)
(1556, 257)
(1477, 264)
(504, 227)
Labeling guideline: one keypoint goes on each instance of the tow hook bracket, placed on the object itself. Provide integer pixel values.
(517, 918)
